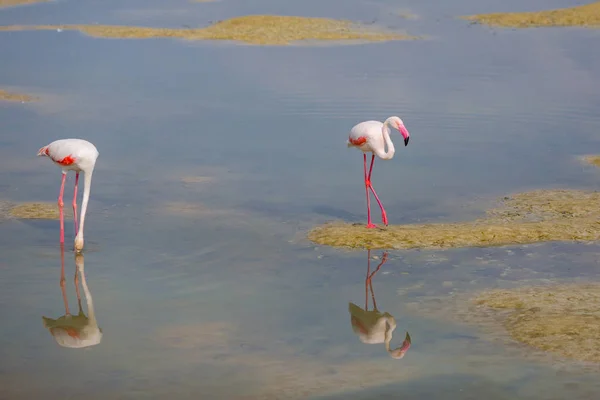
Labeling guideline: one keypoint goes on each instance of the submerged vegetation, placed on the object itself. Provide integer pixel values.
(38, 211)
(16, 97)
(12, 3)
(252, 29)
(530, 217)
(593, 159)
(562, 319)
(193, 179)
(585, 16)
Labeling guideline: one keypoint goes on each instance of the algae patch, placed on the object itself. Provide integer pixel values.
(530, 217)
(584, 16)
(16, 97)
(38, 211)
(193, 179)
(251, 29)
(593, 159)
(13, 3)
(561, 319)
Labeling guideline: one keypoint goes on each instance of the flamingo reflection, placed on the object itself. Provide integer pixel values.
(372, 326)
(75, 331)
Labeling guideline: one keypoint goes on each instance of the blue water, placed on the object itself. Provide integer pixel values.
(210, 289)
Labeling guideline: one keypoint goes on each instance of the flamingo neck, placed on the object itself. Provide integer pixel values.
(86, 292)
(84, 203)
(390, 326)
(381, 152)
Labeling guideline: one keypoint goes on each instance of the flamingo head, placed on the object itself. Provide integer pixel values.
(399, 125)
(401, 351)
(79, 243)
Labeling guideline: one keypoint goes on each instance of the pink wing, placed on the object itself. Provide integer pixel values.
(61, 152)
(364, 132)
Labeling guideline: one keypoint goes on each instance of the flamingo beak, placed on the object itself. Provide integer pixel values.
(405, 135)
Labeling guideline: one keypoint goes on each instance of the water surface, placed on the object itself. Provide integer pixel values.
(209, 287)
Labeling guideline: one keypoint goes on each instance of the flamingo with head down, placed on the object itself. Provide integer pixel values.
(373, 137)
(79, 156)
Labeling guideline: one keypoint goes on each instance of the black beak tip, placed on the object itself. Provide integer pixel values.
(406, 141)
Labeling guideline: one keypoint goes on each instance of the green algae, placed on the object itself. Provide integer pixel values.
(592, 159)
(251, 29)
(14, 3)
(16, 97)
(530, 217)
(38, 211)
(560, 319)
(582, 16)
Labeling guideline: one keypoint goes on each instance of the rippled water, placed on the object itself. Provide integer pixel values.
(207, 287)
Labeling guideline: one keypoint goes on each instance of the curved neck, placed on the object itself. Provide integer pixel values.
(88, 295)
(381, 153)
(388, 335)
(86, 196)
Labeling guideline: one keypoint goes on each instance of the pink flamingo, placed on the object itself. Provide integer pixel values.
(373, 137)
(73, 155)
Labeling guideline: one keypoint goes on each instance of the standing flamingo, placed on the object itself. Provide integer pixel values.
(373, 137)
(73, 155)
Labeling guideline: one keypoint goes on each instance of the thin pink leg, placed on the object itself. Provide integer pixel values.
(367, 184)
(75, 202)
(60, 209)
(373, 295)
(370, 277)
(383, 213)
(63, 289)
(367, 279)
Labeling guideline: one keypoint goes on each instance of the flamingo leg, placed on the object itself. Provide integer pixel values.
(367, 279)
(370, 277)
(61, 209)
(75, 202)
(373, 295)
(367, 185)
(383, 213)
(62, 279)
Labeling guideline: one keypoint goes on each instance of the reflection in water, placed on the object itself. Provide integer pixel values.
(75, 331)
(373, 326)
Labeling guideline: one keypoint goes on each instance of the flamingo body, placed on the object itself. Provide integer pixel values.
(370, 326)
(71, 154)
(367, 136)
(76, 155)
(374, 137)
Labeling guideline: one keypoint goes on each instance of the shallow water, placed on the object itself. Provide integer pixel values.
(210, 287)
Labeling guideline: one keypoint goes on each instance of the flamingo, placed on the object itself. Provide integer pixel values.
(75, 331)
(373, 327)
(73, 155)
(372, 137)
